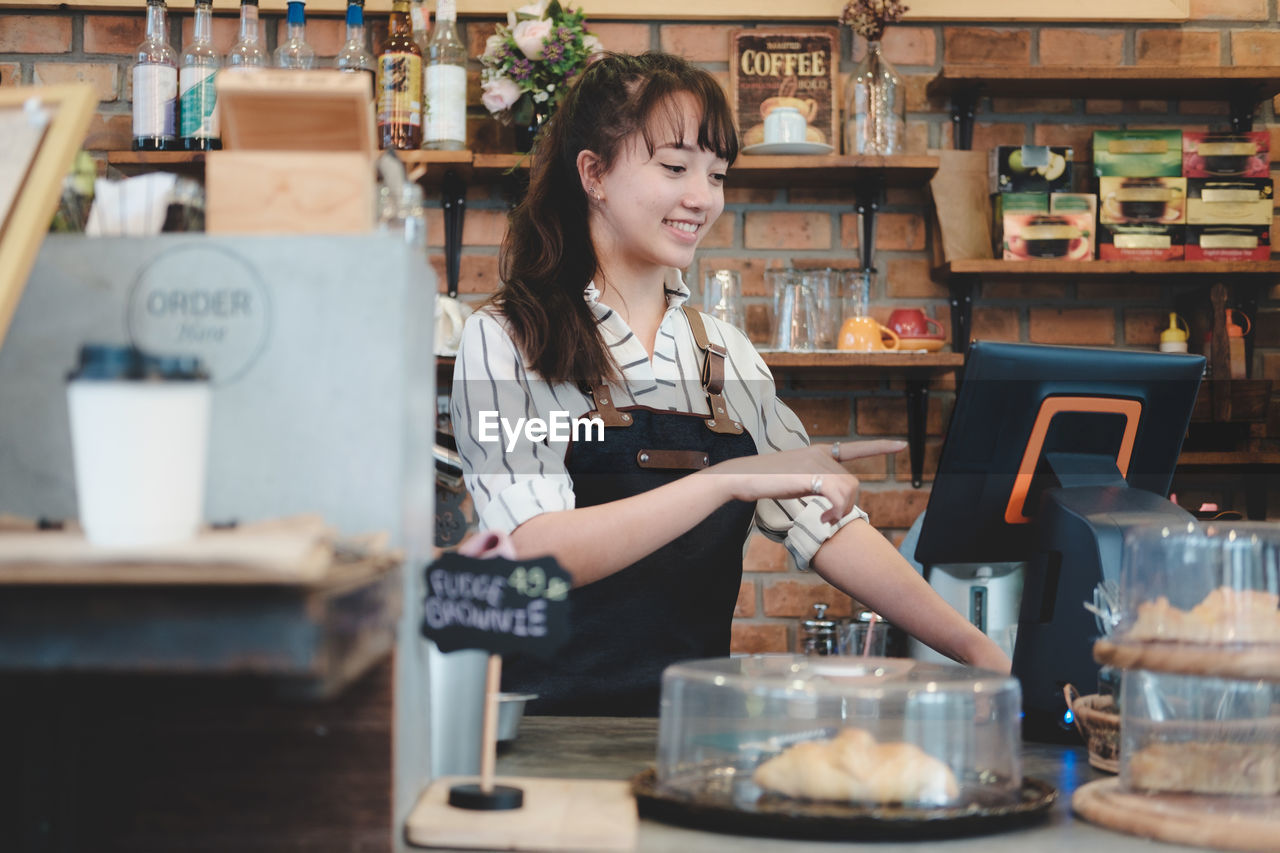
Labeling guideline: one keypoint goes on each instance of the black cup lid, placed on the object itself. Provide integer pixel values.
(114, 362)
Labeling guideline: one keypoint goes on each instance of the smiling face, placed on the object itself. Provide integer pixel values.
(652, 210)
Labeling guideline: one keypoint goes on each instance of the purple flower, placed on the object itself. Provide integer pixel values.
(521, 69)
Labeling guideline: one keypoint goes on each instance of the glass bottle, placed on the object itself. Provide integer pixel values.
(400, 84)
(446, 83)
(420, 19)
(197, 97)
(875, 106)
(248, 51)
(354, 56)
(155, 86)
(294, 52)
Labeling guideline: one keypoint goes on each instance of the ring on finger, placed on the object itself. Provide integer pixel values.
(835, 451)
(815, 485)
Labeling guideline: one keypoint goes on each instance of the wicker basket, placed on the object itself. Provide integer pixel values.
(1096, 718)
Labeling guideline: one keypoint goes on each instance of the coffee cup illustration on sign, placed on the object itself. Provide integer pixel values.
(787, 119)
(807, 107)
(784, 124)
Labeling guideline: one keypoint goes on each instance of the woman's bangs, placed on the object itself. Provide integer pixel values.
(664, 120)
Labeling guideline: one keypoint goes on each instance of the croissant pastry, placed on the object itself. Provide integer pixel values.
(853, 766)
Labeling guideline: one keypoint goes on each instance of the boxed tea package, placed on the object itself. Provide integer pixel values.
(1040, 236)
(1137, 153)
(1003, 204)
(1141, 242)
(1228, 242)
(1226, 155)
(1030, 168)
(1074, 203)
(1229, 201)
(1152, 201)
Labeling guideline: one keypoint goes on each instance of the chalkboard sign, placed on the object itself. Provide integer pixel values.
(501, 606)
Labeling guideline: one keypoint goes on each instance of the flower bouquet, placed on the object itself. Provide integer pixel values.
(529, 62)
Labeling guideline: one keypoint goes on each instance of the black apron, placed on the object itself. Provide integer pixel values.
(675, 604)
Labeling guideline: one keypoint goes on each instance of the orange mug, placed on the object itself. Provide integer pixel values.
(864, 334)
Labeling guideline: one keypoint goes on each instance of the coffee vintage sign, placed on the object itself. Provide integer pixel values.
(789, 69)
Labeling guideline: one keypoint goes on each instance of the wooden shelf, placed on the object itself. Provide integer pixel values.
(1228, 458)
(865, 364)
(782, 170)
(1153, 81)
(910, 170)
(773, 170)
(993, 268)
(139, 162)
(862, 363)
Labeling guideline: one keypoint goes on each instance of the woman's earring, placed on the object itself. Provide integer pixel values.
(595, 193)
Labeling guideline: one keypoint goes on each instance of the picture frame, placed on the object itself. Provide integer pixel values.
(36, 163)
(797, 68)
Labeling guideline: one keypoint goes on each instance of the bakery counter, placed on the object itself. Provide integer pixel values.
(618, 748)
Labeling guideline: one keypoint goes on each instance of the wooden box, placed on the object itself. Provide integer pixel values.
(298, 158)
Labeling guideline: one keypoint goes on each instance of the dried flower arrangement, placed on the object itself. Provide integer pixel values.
(868, 18)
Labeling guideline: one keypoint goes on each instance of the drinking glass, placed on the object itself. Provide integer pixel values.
(722, 296)
(855, 293)
(797, 317)
(825, 286)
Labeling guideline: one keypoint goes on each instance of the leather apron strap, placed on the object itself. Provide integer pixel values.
(712, 376)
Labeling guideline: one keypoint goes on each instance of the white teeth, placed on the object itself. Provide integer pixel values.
(690, 227)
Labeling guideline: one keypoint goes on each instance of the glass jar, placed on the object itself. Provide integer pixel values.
(875, 106)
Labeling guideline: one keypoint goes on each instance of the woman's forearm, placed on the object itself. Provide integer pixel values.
(591, 543)
(859, 561)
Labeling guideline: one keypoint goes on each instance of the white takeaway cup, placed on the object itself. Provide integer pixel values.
(139, 438)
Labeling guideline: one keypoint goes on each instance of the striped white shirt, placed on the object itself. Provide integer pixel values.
(514, 476)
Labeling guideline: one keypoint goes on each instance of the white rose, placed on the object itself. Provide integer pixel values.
(492, 44)
(533, 10)
(592, 45)
(530, 35)
(499, 94)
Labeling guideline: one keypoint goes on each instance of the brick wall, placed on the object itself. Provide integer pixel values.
(764, 228)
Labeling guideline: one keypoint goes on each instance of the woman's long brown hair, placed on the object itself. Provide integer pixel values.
(547, 258)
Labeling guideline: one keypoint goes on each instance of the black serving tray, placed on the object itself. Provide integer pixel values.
(783, 817)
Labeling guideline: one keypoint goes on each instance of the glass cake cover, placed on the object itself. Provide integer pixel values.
(875, 731)
(1189, 734)
(1206, 584)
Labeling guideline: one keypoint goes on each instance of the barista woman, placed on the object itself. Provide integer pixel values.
(650, 514)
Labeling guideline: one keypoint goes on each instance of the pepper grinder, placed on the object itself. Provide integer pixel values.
(818, 635)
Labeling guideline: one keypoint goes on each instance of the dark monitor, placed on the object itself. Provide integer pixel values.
(1029, 417)
(1052, 453)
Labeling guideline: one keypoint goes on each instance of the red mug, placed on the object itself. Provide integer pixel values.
(913, 323)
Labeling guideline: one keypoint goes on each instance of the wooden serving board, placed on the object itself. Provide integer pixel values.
(1191, 819)
(558, 814)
